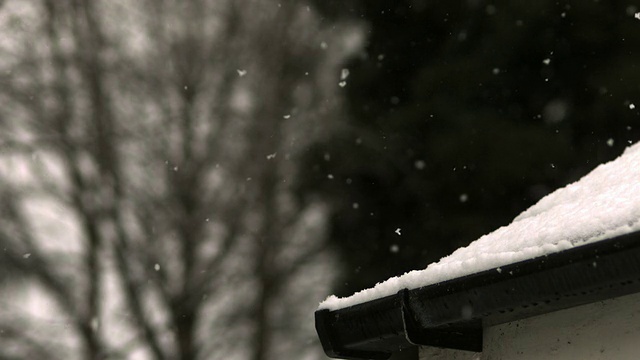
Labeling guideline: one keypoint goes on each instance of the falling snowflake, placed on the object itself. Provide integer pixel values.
(394, 248)
(344, 74)
(156, 267)
(398, 231)
(271, 156)
(546, 61)
(242, 72)
(610, 142)
(342, 83)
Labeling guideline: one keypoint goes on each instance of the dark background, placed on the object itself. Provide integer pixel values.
(465, 113)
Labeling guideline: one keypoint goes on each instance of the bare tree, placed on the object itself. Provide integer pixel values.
(160, 138)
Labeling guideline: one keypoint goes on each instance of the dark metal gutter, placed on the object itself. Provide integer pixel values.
(453, 313)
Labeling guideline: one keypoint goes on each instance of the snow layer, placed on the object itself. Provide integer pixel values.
(603, 204)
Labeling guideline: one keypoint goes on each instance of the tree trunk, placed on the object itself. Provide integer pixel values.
(185, 334)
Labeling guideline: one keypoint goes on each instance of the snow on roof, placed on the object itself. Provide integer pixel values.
(603, 204)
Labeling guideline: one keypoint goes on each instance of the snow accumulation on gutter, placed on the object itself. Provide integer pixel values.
(603, 204)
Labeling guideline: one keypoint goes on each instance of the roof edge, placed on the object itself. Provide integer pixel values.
(451, 314)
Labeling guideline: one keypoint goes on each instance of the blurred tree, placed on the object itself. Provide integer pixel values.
(464, 113)
(148, 152)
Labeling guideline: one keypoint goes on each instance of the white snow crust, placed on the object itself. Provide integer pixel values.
(603, 204)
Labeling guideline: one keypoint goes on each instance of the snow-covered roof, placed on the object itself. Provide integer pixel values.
(603, 204)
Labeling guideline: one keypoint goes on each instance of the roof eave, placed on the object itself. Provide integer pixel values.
(453, 313)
